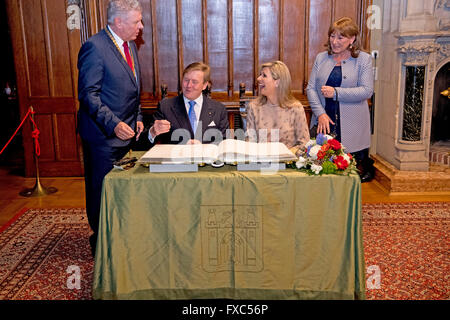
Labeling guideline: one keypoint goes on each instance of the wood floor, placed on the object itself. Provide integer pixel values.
(71, 193)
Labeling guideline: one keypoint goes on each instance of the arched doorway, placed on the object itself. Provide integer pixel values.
(440, 124)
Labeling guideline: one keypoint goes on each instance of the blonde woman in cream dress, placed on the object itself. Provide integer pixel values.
(276, 115)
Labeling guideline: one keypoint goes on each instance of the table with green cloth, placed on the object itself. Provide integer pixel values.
(220, 233)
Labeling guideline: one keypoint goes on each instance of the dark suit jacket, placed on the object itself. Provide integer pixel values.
(107, 90)
(212, 124)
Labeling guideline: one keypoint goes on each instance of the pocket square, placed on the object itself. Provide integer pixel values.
(212, 124)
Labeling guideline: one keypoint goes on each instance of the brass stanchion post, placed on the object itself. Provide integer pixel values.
(38, 190)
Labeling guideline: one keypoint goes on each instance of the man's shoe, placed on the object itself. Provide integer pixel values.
(366, 177)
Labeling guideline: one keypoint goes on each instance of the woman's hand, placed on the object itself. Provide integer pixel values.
(327, 91)
(323, 125)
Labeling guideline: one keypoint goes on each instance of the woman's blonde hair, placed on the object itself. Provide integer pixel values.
(346, 27)
(280, 71)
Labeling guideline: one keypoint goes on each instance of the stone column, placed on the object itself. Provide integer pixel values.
(416, 90)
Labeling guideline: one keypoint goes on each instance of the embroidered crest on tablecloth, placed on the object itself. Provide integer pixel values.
(232, 238)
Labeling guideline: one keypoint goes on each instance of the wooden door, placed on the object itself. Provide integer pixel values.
(45, 54)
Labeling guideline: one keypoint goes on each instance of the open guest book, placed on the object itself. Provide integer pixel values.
(228, 151)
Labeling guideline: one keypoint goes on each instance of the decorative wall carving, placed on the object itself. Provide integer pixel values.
(444, 52)
(417, 53)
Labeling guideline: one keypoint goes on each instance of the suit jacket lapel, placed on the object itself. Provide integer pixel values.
(133, 49)
(181, 114)
(207, 114)
(119, 57)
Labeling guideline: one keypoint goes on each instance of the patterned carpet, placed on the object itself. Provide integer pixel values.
(43, 251)
(36, 250)
(409, 243)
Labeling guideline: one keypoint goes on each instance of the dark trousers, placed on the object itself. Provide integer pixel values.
(98, 161)
(364, 164)
(361, 155)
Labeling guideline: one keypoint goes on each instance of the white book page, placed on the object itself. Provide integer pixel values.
(176, 153)
(231, 150)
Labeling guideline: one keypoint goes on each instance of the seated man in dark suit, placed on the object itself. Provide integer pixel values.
(190, 117)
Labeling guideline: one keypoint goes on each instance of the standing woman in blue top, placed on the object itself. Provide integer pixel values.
(340, 83)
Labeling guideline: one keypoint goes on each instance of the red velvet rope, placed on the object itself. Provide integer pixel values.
(34, 134)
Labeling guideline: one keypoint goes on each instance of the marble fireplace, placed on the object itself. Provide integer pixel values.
(414, 47)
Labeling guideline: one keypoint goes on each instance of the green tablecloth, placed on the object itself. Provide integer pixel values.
(221, 233)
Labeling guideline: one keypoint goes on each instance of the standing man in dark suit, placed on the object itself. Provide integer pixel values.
(190, 117)
(109, 117)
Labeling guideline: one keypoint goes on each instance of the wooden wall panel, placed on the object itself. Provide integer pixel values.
(217, 25)
(146, 51)
(192, 25)
(294, 41)
(57, 41)
(34, 38)
(320, 16)
(268, 37)
(348, 8)
(243, 45)
(167, 38)
(64, 125)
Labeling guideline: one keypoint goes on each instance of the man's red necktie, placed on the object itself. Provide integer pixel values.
(127, 55)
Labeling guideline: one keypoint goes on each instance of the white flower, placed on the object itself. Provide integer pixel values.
(346, 158)
(310, 143)
(316, 168)
(328, 137)
(313, 151)
(301, 162)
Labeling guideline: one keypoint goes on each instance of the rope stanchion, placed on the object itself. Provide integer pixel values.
(35, 135)
(38, 190)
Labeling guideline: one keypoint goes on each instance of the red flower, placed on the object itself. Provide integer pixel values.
(325, 147)
(340, 162)
(335, 145)
(321, 154)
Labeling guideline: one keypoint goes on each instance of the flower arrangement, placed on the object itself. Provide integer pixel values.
(325, 155)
